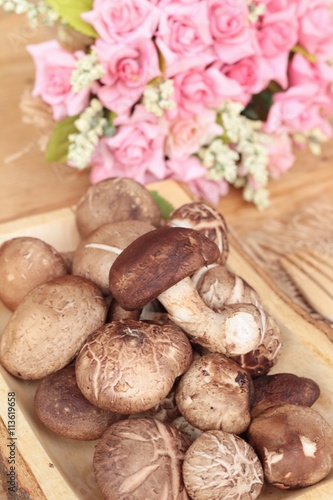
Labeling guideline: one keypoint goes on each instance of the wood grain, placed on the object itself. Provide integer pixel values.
(30, 185)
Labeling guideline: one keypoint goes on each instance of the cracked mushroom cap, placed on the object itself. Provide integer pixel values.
(96, 253)
(115, 199)
(215, 393)
(156, 261)
(205, 219)
(130, 366)
(61, 406)
(220, 465)
(141, 459)
(294, 444)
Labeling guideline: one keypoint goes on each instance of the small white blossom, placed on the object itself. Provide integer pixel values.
(157, 97)
(220, 161)
(256, 10)
(260, 197)
(90, 126)
(314, 138)
(88, 69)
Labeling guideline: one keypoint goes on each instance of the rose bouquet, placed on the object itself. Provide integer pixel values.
(211, 93)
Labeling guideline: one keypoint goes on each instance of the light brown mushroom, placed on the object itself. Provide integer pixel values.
(96, 253)
(115, 199)
(219, 288)
(141, 459)
(26, 262)
(50, 326)
(215, 393)
(220, 465)
(205, 219)
(158, 265)
(294, 444)
(130, 366)
(61, 406)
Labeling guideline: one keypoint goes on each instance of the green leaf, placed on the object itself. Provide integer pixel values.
(57, 148)
(71, 10)
(165, 207)
(259, 106)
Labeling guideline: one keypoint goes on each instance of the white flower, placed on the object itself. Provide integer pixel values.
(88, 69)
(90, 126)
(260, 197)
(157, 97)
(220, 161)
(256, 10)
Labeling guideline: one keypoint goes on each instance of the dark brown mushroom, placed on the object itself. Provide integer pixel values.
(280, 388)
(294, 444)
(61, 406)
(158, 265)
(205, 219)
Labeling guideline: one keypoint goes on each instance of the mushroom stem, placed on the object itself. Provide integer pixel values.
(233, 331)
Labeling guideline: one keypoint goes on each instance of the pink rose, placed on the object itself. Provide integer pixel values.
(128, 68)
(251, 73)
(229, 26)
(277, 33)
(298, 110)
(193, 173)
(183, 37)
(135, 151)
(280, 152)
(198, 89)
(315, 25)
(186, 136)
(301, 70)
(54, 66)
(119, 20)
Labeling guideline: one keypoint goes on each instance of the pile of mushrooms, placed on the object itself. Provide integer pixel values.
(148, 344)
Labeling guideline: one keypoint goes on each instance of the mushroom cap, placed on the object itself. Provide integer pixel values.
(25, 263)
(140, 459)
(50, 325)
(220, 465)
(280, 388)
(205, 219)
(215, 393)
(156, 261)
(115, 199)
(96, 253)
(294, 444)
(134, 365)
(61, 406)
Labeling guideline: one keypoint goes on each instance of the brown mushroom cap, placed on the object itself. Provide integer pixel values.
(26, 262)
(96, 253)
(215, 393)
(157, 260)
(115, 199)
(205, 219)
(280, 388)
(61, 406)
(294, 444)
(134, 365)
(50, 326)
(219, 465)
(140, 459)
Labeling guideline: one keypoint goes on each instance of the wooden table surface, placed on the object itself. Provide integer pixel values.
(29, 185)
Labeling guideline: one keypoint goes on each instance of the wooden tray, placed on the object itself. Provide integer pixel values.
(50, 467)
